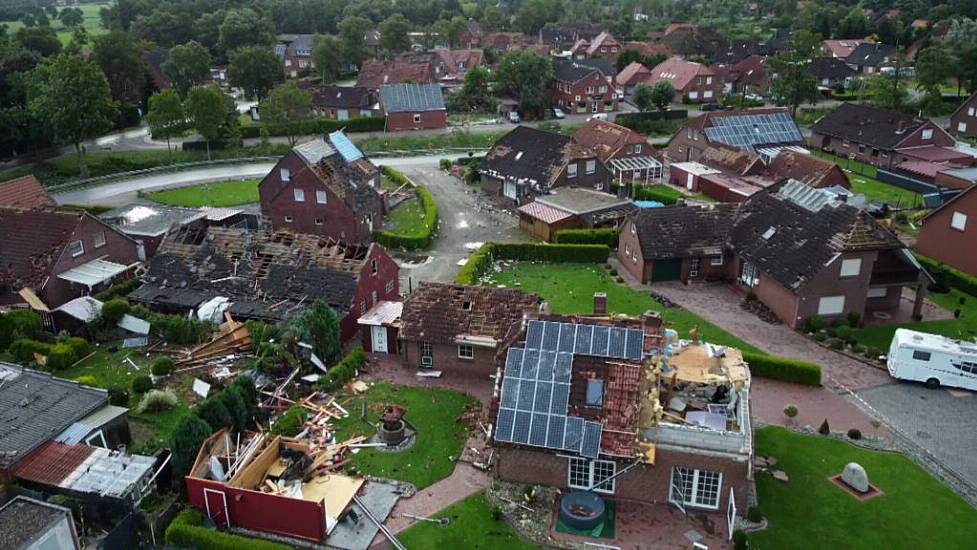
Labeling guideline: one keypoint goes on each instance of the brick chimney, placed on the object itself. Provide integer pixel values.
(600, 303)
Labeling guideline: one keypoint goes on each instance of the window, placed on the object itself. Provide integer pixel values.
(576, 98)
(286, 175)
(572, 170)
(591, 166)
(583, 474)
(959, 221)
(417, 119)
(627, 250)
(861, 148)
(590, 89)
(634, 229)
(875, 152)
(389, 287)
(319, 221)
(599, 187)
(927, 133)
(716, 260)
(99, 239)
(696, 487)
(844, 143)
(634, 255)
(374, 267)
(427, 350)
(693, 95)
(602, 89)
(707, 94)
(320, 197)
(694, 264)
(288, 219)
(299, 194)
(466, 351)
(708, 80)
(878, 292)
(971, 111)
(851, 268)
(374, 297)
(76, 248)
(595, 393)
(831, 305)
(961, 126)
(921, 355)
(362, 307)
(750, 276)
(637, 148)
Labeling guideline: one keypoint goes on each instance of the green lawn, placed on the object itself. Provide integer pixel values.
(456, 138)
(863, 181)
(675, 194)
(570, 288)
(964, 327)
(407, 218)
(915, 511)
(225, 193)
(92, 22)
(472, 526)
(432, 411)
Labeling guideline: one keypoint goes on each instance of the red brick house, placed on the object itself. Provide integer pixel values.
(577, 88)
(632, 76)
(802, 252)
(809, 169)
(25, 192)
(472, 35)
(693, 82)
(949, 233)
(764, 132)
(413, 107)
(61, 254)
(343, 102)
(963, 121)
(603, 45)
(842, 48)
(458, 329)
(626, 153)
(324, 187)
(268, 276)
(749, 76)
(295, 51)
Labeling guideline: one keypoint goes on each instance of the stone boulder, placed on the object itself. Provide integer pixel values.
(855, 477)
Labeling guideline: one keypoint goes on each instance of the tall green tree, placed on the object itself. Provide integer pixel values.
(533, 14)
(286, 105)
(475, 94)
(187, 66)
(527, 75)
(71, 98)
(122, 63)
(256, 70)
(493, 19)
(932, 69)
(245, 27)
(71, 17)
(166, 117)
(318, 326)
(207, 111)
(352, 34)
(794, 82)
(41, 40)
(660, 95)
(326, 53)
(393, 33)
(190, 433)
(887, 92)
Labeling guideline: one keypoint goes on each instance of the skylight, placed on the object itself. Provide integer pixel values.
(769, 233)
(519, 155)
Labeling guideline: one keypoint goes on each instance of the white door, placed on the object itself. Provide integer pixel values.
(509, 190)
(342, 114)
(379, 339)
(689, 181)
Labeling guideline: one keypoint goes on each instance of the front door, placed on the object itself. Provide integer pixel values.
(216, 503)
(666, 270)
(379, 339)
(342, 114)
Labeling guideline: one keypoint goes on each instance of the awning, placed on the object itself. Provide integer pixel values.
(635, 163)
(384, 313)
(768, 153)
(93, 273)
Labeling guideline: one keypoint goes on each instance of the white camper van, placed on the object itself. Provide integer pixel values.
(933, 359)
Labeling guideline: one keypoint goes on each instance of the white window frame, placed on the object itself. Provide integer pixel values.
(877, 292)
(389, 287)
(320, 221)
(591, 167)
(362, 307)
(586, 471)
(826, 305)
(590, 89)
(285, 175)
(694, 265)
(466, 352)
(298, 194)
(716, 260)
(321, 197)
(76, 248)
(637, 148)
(417, 118)
(708, 80)
(627, 250)
(971, 111)
(927, 133)
(693, 95)
(958, 221)
(99, 239)
(961, 126)
(572, 170)
(374, 297)
(694, 498)
(427, 350)
(852, 267)
(707, 94)
(602, 89)
(750, 275)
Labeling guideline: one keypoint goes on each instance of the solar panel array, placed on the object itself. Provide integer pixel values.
(536, 386)
(748, 131)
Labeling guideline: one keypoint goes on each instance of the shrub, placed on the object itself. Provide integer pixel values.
(213, 411)
(740, 540)
(79, 346)
(839, 322)
(846, 334)
(603, 235)
(497, 514)
(187, 531)
(118, 290)
(60, 356)
(653, 193)
(291, 421)
(24, 323)
(790, 411)
(142, 384)
(162, 366)
(854, 319)
(872, 353)
(854, 433)
(344, 371)
(950, 277)
(781, 368)
(315, 126)
(445, 164)
(112, 312)
(23, 349)
(157, 400)
(412, 241)
(820, 336)
(118, 396)
(814, 323)
(824, 429)
(87, 380)
(859, 348)
(835, 343)
(754, 514)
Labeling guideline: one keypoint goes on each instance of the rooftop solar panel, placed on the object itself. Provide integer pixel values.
(537, 432)
(599, 347)
(574, 434)
(584, 337)
(520, 431)
(615, 347)
(590, 446)
(510, 392)
(513, 362)
(504, 425)
(748, 131)
(551, 336)
(560, 399)
(567, 337)
(534, 335)
(554, 435)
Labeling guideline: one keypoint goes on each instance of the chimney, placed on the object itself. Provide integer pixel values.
(600, 303)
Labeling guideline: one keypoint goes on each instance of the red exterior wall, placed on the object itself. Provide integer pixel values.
(368, 283)
(567, 100)
(700, 85)
(967, 115)
(430, 120)
(953, 247)
(680, 178)
(883, 158)
(714, 189)
(475, 371)
(629, 253)
(264, 512)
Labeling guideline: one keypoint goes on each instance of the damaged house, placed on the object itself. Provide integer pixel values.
(268, 276)
(801, 251)
(764, 132)
(324, 187)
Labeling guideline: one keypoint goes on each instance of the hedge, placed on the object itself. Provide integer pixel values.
(480, 261)
(344, 371)
(604, 235)
(650, 193)
(673, 114)
(187, 531)
(956, 279)
(317, 126)
(781, 368)
(411, 241)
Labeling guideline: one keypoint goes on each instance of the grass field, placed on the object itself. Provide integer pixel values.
(225, 193)
(456, 138)
(407, 218)
(569, 288)
(92, 22)
(439, 434)
(863, 181)
(915, 511)
(472, 526)
(963, 327)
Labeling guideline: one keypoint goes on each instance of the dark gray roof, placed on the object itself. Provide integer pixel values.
(571, 71)
(869, 54)
(831, 68)
(526, 154)
(683, 231)
(406, 98)
(23, 521)
(149, 220)
(557, 35)
(36, 406)
(341, 97)
(605, 66)
(864, 124)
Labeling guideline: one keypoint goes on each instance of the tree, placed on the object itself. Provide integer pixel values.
(660, 95)
(642, 97)
(41, 40)
(319, 327)
(187, 66)
(189, 434)
(122, 64)
(352, 34)
(207, 111)
(285, 105)
(256, 70)
(475, 94)
(71, 17)
(244, 27)
(166, 116)
(887, 92)
(533, 14)
(493, 19)
(526, 75)
(326, 52)
(793, 82)
(393, 33)
(70, 97)
(932, 69)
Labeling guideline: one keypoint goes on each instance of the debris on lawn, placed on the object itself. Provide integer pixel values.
(231, 341)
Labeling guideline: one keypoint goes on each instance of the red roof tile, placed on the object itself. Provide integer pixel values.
(26, 192)
(375, 74)
(33, 241)
(678, 72)
(51, 463)
(608, 138)
(543, 213)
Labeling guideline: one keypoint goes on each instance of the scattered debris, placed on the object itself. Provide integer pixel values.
(231, 338)
(780, 475)
(201, 388)
(439, 521)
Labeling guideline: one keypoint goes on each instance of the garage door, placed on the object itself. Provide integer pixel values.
(666, 270)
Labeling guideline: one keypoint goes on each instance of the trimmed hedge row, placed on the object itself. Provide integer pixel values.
(956, 279)
(187, 531)
(673, 114)
(480, 261)
(411, 241)
(317, 126)
(604, 235)
(344, 371)
(781, 368)
(118, 290)
(653, 194)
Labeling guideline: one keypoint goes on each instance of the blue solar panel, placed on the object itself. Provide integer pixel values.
(520, 431)
(513, 362)
(574, 434)
(543, 392)
(600, 341)
(537, 434)
(563, 367)
(635, 344)
(554, 435)
(503, 428)
(567, 337)
(530, 363)
(584, 336)
(551, 336)
(590, 447)
(561, 398)
(510, 392)
(345, 147)
(527, 392)
(749, 131)
(546, 365)
(534, 334)
(616, 346)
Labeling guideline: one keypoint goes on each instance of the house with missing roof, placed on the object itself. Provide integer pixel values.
(963, 121)
(267, 276)
(603, 45)
(25, 192)
(324, 187)
(581, 88)
(842, 48)
(149, 223)
(591, 403)
(377, 74)
(572, 208)
(51, 255)
(627, 154)
(458, 330)
(949, 233)
(693, 82)
(527, 162)
(764, 132)
(801, 251)
(413, 107)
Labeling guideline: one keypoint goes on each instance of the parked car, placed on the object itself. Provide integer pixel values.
(558, 113)
(514, 117)
(598, 116)
(710, 107)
